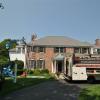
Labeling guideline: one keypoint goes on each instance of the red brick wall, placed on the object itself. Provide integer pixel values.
(47, 56)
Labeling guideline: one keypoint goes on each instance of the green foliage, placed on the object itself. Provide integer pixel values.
(3, 61)
(4, 53)
(30, 72)
(20, 64)
(3, 43)
(90, 93)
(37, 72)
(45, 71)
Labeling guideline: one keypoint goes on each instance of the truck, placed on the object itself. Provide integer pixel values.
(84, 67)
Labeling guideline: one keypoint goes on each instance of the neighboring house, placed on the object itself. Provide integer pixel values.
(54, 52)
(19, 53)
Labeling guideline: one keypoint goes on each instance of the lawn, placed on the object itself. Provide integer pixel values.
(9, 86)
(90, 93)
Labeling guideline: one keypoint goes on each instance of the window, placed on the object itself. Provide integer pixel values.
(77, 50)
(23, 50)
(84, 50)
(59, 49)
(32, 64)
(18, 50)
(62, 50)
(98, 50)
(34, 49)
(41, 49)
(56, 50)
(40, 64)
(94, 51)
(38, 49)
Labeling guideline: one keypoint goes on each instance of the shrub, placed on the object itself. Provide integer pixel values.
(19, 71)
(30, 72)
(37, 72)
(44, 71)
(20, 66)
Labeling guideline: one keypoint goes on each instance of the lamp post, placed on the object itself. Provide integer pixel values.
(15, 72)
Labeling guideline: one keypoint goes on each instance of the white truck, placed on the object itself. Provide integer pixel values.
(84, 69)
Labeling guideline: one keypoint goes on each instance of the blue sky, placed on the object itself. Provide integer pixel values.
(79, 19)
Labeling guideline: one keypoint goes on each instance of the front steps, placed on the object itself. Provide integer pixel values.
(60, 76)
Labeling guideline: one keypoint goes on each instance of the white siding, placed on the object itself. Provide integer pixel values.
(19, 56)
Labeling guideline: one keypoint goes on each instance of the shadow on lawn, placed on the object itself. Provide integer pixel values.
(9, 86)
(85, 96)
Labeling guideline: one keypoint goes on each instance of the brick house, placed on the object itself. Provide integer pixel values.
(54, 52)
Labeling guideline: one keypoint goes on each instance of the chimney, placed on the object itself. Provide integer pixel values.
(33, 37)
(97, 42)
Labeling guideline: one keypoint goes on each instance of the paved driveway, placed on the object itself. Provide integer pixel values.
(52, 90)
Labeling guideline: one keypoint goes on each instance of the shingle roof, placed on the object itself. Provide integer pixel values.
(59, 41)
(13, 50)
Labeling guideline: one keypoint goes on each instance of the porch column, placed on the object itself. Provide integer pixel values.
(55, 66)
(65, 65)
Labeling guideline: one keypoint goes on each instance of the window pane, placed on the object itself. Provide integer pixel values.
(40, 63)
(56, 50)
(76, 50)
(62, 50)
(98, 50)
(41, 49)
(32, 64)
(84, 50)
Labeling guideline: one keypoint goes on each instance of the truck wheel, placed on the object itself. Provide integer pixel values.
(90, 79)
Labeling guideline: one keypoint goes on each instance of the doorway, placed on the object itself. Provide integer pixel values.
(59, 66)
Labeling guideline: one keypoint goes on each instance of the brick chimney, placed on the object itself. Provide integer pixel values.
(33, 37)
(97, 42)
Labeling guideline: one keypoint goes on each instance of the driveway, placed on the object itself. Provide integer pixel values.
(51, 90)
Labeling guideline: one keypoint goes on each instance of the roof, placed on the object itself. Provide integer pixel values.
(59, 41)
(12, 50)
(59, 57)
(97, 47)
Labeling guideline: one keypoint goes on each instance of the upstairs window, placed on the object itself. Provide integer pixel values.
(41, 49)
(56, 50)
(18, 50)
(59, 49)
(98, 50)
(77, 50)
(84, 50)
(38, 49)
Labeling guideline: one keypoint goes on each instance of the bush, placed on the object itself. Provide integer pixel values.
(20, 64)
(44, 71)
(19, 71)
(37, 72)
(30, 72)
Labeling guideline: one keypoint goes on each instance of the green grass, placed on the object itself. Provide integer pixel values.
(9, 86)
(90, 93)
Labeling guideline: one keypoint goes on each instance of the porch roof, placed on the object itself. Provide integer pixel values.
(59, 57)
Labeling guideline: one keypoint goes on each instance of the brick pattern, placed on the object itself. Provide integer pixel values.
(47, 56)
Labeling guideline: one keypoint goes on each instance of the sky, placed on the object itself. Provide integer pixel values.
(78, 19)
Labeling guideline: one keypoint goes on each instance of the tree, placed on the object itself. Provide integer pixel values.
(4, 52)
(1, 6)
